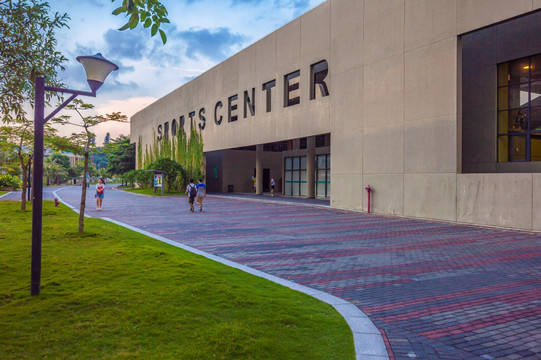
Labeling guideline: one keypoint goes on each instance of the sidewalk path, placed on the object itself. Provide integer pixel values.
(435, 290)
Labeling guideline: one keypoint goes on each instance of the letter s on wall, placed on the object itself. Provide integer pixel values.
(202, 119)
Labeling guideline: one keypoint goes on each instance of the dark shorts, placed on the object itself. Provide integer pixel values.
(190, 199)
(272, 187)
(99, 196)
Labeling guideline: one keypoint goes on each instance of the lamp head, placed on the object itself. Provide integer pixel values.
(97, 69)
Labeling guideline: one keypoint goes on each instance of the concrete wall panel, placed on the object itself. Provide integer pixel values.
(431, 81)
(346, 152)
(474, 14)
(315, 30)
(536, 201)
(495, 199)
(346, 105)
(230, 76)
(384, 92)
(431, 196)
(346, 35)
(346, 191)
(429, 21)
(383, 150)
(383, 29)
(265, 55)
(247, 77)
(288, 45)
(387, 196)
(430, 146)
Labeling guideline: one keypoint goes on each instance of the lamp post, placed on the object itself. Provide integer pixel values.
(97, 69)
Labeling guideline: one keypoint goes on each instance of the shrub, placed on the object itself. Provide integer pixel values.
(8, 181)
(129, 177)
(174, 176)
(143, 178)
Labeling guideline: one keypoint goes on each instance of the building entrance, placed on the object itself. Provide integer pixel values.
(300, 167)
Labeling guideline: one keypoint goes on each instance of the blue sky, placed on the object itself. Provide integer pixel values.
(202, 34)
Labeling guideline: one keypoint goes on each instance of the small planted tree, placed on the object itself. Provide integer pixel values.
(82, 143)
(19, 138)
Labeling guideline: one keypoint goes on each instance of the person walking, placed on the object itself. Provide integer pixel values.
(100, 192)
(201, 193)
(191, 190)
(272, 185)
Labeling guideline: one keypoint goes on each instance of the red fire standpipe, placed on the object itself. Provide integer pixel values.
(368, 191)
(56, 202)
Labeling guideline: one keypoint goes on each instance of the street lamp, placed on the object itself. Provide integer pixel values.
(97, 69)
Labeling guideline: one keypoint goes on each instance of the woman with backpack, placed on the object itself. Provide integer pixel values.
(192, 192)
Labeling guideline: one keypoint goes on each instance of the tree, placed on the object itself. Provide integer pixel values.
(150, 13)
(61, 159)
(81, 143)
(19, 137)
(54, 169)
(121, 156)
(99, 158)
(27, 50)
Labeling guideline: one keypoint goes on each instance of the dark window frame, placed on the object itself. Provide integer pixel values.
(522, 124)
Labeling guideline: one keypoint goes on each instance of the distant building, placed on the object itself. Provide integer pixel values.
(74, 159)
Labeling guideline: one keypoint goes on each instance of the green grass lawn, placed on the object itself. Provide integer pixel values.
(115, 294)
(150, 191)
(2, 192)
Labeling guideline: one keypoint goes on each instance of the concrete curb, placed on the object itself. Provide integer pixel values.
(6, 194)
(55, 193)
(367, 339)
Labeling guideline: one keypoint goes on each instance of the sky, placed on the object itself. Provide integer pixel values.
(202, 33)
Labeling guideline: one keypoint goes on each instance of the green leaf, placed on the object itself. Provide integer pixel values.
(119, 10)
(164, 38)
(148, 22)
(154, 29)
(126, 26)
(134, 20)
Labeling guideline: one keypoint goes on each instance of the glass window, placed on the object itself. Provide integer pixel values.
(303, 189)
(518, 148)
(323, 175)
(512, 97)
(288, 175)
(303, 162)
(535, 94)
(536, 147)
(288, 189)
(295, 189)
(535, 68)
(535, 119)
(296, 163)
(519, 110)
(289, 163)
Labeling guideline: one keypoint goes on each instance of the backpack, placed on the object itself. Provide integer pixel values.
(193, 191)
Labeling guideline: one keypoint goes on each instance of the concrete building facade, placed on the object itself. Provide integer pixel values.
(422, 100)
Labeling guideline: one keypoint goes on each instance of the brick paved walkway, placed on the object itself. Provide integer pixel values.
(435, 290)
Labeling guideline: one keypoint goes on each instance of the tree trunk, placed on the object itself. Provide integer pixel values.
(23, 186)
(83, 197)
